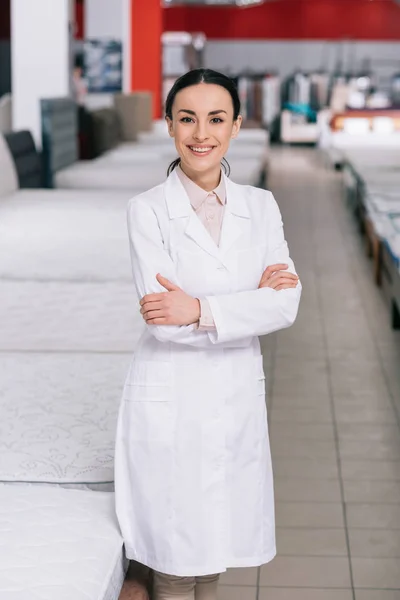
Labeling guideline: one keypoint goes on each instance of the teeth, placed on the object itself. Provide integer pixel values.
(200, 150)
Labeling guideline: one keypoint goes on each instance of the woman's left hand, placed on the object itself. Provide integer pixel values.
(173, 307)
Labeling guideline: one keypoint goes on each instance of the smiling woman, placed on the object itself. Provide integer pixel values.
(203, 131)
(193, 475)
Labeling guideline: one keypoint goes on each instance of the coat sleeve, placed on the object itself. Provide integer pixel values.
(262, 311)
(149, 257)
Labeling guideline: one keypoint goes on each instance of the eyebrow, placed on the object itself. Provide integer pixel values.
(212, 113)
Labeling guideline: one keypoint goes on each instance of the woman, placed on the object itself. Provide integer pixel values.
(194, 488)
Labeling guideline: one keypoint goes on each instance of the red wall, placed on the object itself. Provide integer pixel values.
(79, 19)
(292, 19)
(147, 28)
(5, 23)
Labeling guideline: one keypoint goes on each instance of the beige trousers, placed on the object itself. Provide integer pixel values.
(170, 587)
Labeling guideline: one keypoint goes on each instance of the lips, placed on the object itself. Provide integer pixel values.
(201, 150)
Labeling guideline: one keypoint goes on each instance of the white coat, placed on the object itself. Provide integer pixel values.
(193, 475)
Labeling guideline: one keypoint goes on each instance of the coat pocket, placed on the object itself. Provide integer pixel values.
(148, 381)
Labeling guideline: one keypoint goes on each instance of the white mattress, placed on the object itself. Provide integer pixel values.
(67, 317)
(160, 133)
(118, 174)
(137, 153)
(58, 417)
(64, 235)
(59, 545)
(96, 175)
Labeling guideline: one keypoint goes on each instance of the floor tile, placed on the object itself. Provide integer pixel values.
(284, 448)
(352, 414)
(306, 594)
(311, 514)
(286, 571)
(371, 491)
(311, 542)
(370, 432)
(307, 490)
(377, 573)
(371, 543)
(371, 470)
(302, 415)
(377, 594)
(303, 431)
(307, 468)
(242, 577)
(230, 592)
(374, 450)
(381, 516)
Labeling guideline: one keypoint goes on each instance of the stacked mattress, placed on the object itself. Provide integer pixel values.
(376, 172)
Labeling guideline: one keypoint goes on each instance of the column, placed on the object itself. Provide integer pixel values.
(41, 58)
(146, 49)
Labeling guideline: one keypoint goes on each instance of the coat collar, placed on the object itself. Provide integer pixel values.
(178, 202)
(197, 195)
(236, 209)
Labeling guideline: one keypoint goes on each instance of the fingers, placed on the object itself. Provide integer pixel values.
(279, 279)
(166, 283)
(152, 298)
(272, 268)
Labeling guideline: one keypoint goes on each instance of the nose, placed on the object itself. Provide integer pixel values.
(201, 134)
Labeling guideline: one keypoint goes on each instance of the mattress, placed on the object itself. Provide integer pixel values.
(160, 133)
(137, 153)
(58, 417)
(64, 235)
(59, 544)
(97, 175)
(50, 316)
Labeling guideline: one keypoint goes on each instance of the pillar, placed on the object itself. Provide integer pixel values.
(41, 58)
(146, 49)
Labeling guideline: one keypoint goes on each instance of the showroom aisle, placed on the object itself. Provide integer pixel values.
(334, 385)
(334, 423)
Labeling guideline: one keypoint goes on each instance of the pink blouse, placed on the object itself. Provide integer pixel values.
(209, 207)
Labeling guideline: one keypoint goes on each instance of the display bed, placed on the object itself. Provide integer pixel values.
(59, 544)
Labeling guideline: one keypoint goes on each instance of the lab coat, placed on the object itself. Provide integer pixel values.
(193, 474)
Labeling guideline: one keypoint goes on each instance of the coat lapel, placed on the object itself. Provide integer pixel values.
(236, 211)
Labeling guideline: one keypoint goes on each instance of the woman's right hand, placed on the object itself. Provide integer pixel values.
(277, 278)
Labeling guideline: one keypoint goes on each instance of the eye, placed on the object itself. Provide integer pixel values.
(217, 120)
(186, 120)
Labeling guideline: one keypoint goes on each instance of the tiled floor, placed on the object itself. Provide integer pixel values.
(334, 408)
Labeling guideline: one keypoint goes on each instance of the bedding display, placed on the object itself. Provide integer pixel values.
(62, 544)
(372, 182)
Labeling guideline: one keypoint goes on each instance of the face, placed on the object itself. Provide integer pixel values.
(202, 126)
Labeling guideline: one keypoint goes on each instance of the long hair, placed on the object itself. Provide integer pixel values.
(194, 78)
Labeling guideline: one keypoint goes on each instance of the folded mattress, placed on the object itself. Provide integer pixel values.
(65, 235)
(58, 417)
(59, 544)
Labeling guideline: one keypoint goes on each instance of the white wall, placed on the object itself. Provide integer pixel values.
(285, 56)
(40, 58)
(104, 19)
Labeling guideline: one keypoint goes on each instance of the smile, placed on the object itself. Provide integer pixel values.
(201, 150)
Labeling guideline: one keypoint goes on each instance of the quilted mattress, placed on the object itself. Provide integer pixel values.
(59, 544)
(69, 317)
(58, 417)
(64, 235)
